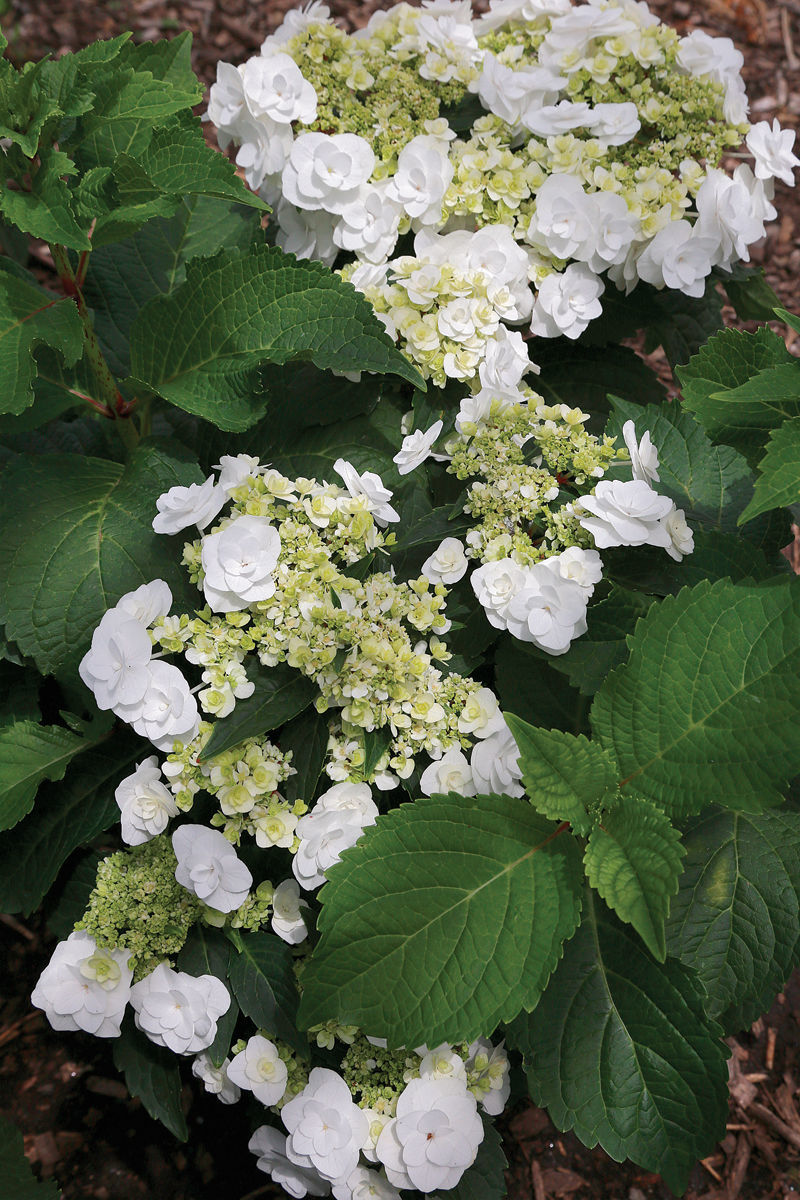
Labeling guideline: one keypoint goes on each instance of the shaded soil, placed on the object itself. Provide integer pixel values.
(63, 1090)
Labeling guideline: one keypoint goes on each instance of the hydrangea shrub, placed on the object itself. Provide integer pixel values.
(437, 672)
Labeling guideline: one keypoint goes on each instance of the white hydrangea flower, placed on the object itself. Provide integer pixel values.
(584, 567)
(234, 469)
(295, 22)
(260, 1069)
(146, 603)
(434, 1137)
(496, 584)
(424, 173)
(167, 713)
(347, 795)
(287, 919)
(226, 98)
(567, 303)
(550, 611)
(369, 226)
(514, 94)
(324, 836)
(265, 147)
(370, 486)
(239, 562)
(363, 1184)
(145, 803)
(179, 1011)
(614, 124)
(209, 866)
(679, 257)
(554, 119)
(442, 1063)
(84, 986)
(626, 514)
(327, 170)
(215, 1079)
(489, 1072)
(306, 234)
(450, 773)
(326, 1129)
(481, 716)
(495, 765)
(447, 564)
(615, 230)
(505, 363)
(117, 665)
(416, 448)
(275, 87)
(644, 455)
(275, 828)
(729, 213)
(198, 504)
(681, 538)
(700, 54)
(269, 1146)
(772, 148)
(503, 12)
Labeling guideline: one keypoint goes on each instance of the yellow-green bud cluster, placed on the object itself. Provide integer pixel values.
(376, 1077)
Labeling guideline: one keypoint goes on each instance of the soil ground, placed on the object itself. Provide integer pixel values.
(63, 1091)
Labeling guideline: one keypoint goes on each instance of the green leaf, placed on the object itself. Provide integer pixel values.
(680, 323)
(44, 209)
(79, 536)
(716, 556)
(19, 693)
(741, 385)
(565, 776)
(748, 292)
(263, 982)
(706, 705)
(279, 694)
(735, 918)
(206, 952)
(604, 646)
(376, 742)
(151, 1073)
(307, 738)
(123, 277)
(30, 753)
(201, 353)
(446, 918)
(621, 1050)
(30, 317)
(19, 1181)
(778, 484)
(585, 376)
(67, 904)
(315, 451)
(420, 538)
(528, 684)
(485, 1179)
(633, 859)
(711, 483)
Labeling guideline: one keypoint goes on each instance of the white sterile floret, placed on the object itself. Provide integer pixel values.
(117, 665)
(342, 796)
(306, 234)
(274, 87)
(234, 469)
(772, 150)
(731, 214)
(614, 124)
(324, 836)
(442, 1063)
(563, 117)
(416, 448)
(326, 1129)
(167, 713)
(614, 231)
(700, 54)
(495, 764)
(584, 567)
(363, 1184)
(369, 226)
(196, 504)
(215, 1079)
(179, 1011)
(287, 919)
(434, 1137)
(296, 21)
(513, 94)
(424, 173)
(146, 603)
(327, 170)
(84, 986)
(209, 866)
(489, 1075)
(550, 611)
(563, 223)
(644, 455)
(370, 486)
(146, 804)
(226, 99)
(450, 773)
(447, 564)
(260, 1069)
(481, 716)
(680, 257)
(625, 514)
(269, 1146)
(505, 363)
(502, 12)
(239, 562)
(496, 584)
(265, 147)
(681, 537)
(567, 303)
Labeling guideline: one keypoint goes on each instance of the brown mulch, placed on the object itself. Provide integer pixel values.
(63, 1091)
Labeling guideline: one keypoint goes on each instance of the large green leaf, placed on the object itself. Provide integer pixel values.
(735, 918)
(78, 536)
(633, 859)
(716, 556)
(279, 693)
(29, 754)
(19, 1181)
(565, 776)
(263, 983)
(307, 739)
(621, 1050)
(705, 708)
(199, 347)
(585, 377)
(44, 208)
(679, 323)
(314, 452)
(31, 317)
(778, 484)
(447, 918)
(748, 292)
(206, 951)
(527, 685)
(604, 646)
(152, 1074)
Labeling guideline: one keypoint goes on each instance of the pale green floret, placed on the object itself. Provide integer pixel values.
(138, 905)
(376, 1077)
(256, 910)
(331, 1032)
